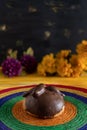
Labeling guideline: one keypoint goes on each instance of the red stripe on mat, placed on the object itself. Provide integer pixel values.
(59, 86)
(71, 87)
(14, 88)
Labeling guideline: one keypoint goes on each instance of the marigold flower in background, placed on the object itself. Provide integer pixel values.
(63, 54)
(63, 68)
(47, 65)
(77, 61)
(82, 47)
(41, 69)
(77, 65)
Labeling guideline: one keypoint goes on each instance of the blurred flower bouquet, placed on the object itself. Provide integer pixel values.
(64, 63)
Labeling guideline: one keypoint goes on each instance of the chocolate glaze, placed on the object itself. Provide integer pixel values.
(44, 101)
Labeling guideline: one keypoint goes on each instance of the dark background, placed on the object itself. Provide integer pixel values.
(45, 25)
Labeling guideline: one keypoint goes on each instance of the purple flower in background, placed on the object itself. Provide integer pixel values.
(11, 67)
(29, 63)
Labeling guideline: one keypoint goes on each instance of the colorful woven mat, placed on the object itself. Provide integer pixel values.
(13, 117)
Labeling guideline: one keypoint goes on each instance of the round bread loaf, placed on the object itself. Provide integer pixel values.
(44, 101)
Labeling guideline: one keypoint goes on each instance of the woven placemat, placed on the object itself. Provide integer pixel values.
(11, 99)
